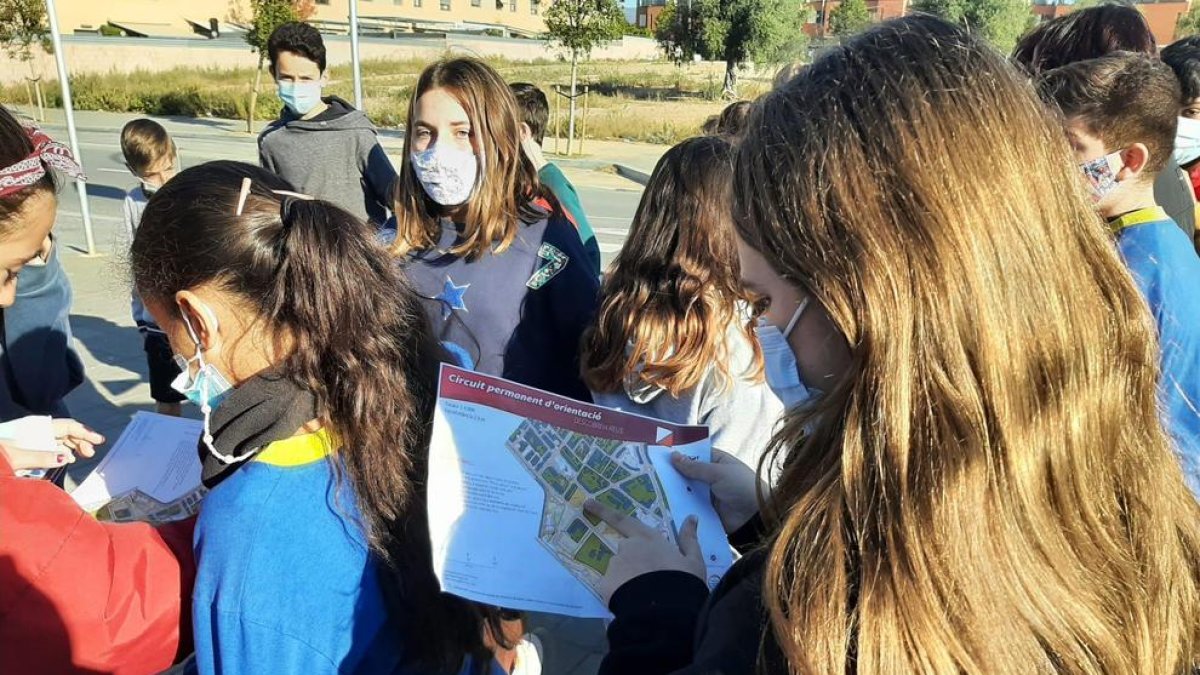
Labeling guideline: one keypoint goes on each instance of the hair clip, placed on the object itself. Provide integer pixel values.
(289, 193)
(241, 205)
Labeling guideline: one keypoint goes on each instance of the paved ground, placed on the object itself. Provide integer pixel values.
(111, 348)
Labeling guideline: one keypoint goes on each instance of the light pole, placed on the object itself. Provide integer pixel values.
(354, 60)
(69, 110)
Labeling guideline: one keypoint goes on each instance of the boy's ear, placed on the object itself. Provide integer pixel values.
(1134, 159)
(526, 132)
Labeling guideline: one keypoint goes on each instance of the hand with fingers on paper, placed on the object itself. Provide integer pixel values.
(71, 439)
(644, 549)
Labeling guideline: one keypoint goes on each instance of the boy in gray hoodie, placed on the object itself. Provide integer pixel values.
(323, 146)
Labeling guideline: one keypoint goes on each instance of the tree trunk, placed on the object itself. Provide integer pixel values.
(254, 95)
(730, 79)
(37, 91)
(41, 101)
(571, 114)
(32, 102)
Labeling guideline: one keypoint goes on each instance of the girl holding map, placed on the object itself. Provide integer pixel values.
(985, 485)
(673, 338)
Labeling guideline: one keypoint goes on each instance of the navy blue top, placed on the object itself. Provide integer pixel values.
(519, 314)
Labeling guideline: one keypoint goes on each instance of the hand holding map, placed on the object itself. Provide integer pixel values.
(509, 472)
(642, 551)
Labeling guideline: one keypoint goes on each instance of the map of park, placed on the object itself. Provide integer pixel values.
(573, 467)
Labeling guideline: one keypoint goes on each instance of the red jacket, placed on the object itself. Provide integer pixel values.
(78, 595)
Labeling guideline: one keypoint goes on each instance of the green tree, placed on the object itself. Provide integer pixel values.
(733, 31)
(265, 17)
(1000, 22)
(1189, 23)
(580, 26)
(24, 28)
(849, 17)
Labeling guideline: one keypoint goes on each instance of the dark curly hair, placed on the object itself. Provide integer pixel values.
(298, 38)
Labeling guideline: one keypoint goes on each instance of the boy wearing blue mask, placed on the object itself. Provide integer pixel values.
(322, 145)
(1121, 116)
(151, 156)
(1183, 57)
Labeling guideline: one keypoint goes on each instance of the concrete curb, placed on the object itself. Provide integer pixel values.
(636, 175)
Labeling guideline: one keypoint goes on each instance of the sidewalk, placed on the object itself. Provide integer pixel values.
(634, 161)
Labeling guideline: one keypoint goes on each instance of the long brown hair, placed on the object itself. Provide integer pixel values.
(673, 290)
(507, 178)
(989, 488)
(314, 277)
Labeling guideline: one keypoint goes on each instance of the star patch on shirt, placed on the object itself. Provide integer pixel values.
(452, 297)
(555, 261)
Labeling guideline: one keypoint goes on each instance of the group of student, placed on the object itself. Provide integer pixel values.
(944, 335)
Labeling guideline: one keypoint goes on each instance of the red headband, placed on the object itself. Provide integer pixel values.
(47, 154)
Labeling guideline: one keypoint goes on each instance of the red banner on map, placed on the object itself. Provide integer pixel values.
(495, 392)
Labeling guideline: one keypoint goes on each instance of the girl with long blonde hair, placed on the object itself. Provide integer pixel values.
(985, 486)
(507, 280)
(672, 338)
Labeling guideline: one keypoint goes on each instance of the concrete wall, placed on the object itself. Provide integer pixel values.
(95, 55)
(171, 16)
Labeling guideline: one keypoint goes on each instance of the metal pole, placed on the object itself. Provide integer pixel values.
(583, 129)
(557, 120)
(60, 62)
(354, 60)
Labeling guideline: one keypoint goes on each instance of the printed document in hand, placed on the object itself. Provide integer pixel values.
(509, 469)
(151, 474)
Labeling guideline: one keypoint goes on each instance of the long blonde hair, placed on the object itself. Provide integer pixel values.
(508, 181)
(989, 488)
(674, 291)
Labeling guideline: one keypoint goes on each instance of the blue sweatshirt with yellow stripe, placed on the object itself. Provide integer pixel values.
(285, 582)
(1167, 270)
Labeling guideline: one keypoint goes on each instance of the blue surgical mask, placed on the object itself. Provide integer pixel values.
(779, 362)
(1187, 141)
(207, 388)
(300, 97)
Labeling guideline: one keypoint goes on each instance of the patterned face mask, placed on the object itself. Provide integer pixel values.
(1100, 175)
(447, 174)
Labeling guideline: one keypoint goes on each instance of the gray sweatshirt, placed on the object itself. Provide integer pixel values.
(740, 418)
(335, 156)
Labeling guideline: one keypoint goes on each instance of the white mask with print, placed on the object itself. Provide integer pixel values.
(779, 362)
(448, 174)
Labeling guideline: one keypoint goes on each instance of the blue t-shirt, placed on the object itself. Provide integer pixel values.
(1167, 270)
(519, 314)
(284, 580)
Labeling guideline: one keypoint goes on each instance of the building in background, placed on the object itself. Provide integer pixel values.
(647, 12)
(212, 18)
(880, 10)
(1163, 17)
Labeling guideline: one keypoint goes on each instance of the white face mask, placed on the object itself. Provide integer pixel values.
(1187, 141)
(447, 174)
(779, 362)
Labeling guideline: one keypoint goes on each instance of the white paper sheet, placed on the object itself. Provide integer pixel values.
(152, 472)
(509, 469)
